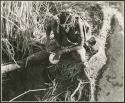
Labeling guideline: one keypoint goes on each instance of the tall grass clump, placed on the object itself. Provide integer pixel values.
(22, 22)
(23, 26)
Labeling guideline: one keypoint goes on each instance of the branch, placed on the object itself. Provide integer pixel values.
(25, 93)
(29, 61)
(9, 67)
(77, 89)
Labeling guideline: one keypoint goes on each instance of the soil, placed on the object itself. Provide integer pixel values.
(111, 87)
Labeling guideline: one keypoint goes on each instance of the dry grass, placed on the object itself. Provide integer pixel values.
(23, 22)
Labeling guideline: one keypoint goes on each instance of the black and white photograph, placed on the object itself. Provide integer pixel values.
(62, 51)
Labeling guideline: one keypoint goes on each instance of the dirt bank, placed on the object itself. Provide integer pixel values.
(111, 83)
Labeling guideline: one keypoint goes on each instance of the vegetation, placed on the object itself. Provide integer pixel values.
(23, 34)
